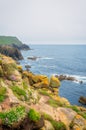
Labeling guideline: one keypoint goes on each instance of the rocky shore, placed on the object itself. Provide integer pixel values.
(32, 102)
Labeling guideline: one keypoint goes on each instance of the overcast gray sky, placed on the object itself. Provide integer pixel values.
(59, 21)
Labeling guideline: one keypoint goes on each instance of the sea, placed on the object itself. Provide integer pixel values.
(67, 60)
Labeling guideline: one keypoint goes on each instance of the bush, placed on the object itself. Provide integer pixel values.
(12, 116)
(19, 92)
(33, 115)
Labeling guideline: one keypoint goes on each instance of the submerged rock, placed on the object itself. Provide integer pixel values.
(34, 58)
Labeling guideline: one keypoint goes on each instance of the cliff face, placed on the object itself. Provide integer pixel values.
(32, 102)
(11, 51)
(11, 46)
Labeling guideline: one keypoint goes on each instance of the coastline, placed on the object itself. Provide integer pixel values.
(38, 96)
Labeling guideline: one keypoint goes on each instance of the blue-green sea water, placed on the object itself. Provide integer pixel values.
(60, 59)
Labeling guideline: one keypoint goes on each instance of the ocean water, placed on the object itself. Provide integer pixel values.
(60, 59)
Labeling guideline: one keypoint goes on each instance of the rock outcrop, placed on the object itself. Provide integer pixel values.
(82, 100)
(21, 46)
(32, 102)
(66, 77)
(11, 51)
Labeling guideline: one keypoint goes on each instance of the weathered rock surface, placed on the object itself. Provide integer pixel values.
(11, 51)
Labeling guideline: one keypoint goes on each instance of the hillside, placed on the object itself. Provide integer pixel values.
(8, 40)
(13, 42)
(32, 102)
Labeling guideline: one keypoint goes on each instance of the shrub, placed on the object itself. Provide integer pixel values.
(12, 116)
(33, 115)
(19, 92)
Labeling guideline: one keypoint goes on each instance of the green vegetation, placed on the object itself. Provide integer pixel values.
(83, 114)
(57, 125)
(44, 92)
(54, 103)
(8, 40)
(25, 86)
(75, 108)
(33, 115)
(2, 94)
(19, 92)
(12, 116)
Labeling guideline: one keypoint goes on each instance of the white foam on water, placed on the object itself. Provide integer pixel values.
(46, 58)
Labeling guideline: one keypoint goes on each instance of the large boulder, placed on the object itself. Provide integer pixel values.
(54, 82)
(82, 100)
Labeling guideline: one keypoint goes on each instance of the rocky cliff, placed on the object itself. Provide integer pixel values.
(11, 51)
(12, 46)
(32, 102)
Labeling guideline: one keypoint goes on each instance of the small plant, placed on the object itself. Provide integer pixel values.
(57, 125)
(2, 94)
(33, 115)
(12, 116)
(19, 92)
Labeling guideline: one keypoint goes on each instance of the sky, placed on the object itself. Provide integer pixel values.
(44, 21)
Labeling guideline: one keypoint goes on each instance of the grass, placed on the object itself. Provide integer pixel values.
(44, 92)
(8, 40)
(75, 108)
(19, 92)
(12, 116)
(57, 125)
(25, 86)
(2, 94)
(54, 103)
(33, 115)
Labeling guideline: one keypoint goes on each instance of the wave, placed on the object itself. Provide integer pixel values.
(46, 58)
(78, 78)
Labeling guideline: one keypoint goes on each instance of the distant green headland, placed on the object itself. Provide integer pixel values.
(8, 40)
(12, 46)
